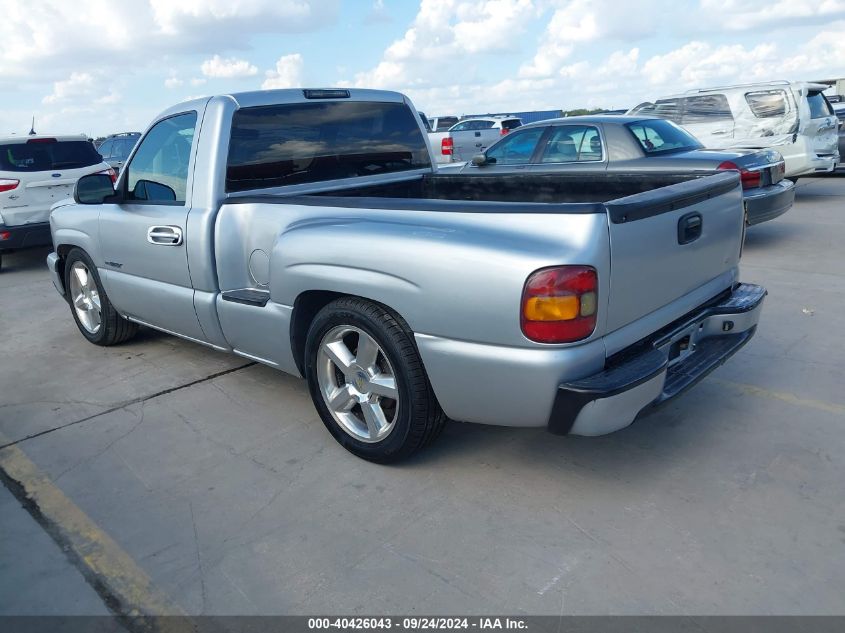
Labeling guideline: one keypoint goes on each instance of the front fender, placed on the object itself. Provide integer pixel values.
(76, 225)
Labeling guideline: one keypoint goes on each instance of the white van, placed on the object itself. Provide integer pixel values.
(35, 173)
(794, 118)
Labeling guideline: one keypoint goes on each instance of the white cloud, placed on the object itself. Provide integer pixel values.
(698, 63)
(54, 36)
(197, 81)
(173, 82)
(444, 31)
(739, 15)
(287, 74)
(77, 85)
(220, 68)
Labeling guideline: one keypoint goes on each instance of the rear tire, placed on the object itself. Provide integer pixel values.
(94, 314)
(368, 382)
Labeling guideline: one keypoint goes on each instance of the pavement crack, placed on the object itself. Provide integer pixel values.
(127, 403)
(108, 446)
(199, 558)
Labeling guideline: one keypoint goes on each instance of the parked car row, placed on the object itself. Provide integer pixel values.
(614, 144)
(36, 171)
(117, 147)
(794, 118)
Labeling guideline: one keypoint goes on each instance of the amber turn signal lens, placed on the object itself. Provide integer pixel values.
(552, 308)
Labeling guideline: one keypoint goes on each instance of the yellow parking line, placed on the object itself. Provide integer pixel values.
(784, 396)
(126, 589)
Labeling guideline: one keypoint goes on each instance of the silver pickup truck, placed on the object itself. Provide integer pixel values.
(307, 230)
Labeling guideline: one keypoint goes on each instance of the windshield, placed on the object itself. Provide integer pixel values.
(48, 155)
(657, 136)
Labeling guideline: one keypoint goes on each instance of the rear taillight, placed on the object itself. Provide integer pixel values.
(446, 146)
(110, 173)
(5, 235)
(559, 304)
(7, 184)
(504, 131)
(749, 179)
(34, 141)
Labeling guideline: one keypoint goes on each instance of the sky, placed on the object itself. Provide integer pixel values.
(105, 66)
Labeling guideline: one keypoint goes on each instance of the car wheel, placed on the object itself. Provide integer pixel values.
(94, 314)
(368, 382)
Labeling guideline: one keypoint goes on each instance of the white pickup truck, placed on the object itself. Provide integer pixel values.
(308, 230)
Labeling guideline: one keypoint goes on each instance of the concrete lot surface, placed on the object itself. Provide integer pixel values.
(228, 493)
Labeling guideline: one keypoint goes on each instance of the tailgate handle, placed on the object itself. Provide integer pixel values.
(689, 228)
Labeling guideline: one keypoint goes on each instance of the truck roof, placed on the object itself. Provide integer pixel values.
(290, 95)
(795, 85)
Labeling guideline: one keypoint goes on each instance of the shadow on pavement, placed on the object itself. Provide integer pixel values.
(28, 259)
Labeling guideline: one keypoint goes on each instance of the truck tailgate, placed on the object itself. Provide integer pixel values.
(668, 242)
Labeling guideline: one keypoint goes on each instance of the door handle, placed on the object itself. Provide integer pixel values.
(165, 235)
(689, 228)
(719, 132)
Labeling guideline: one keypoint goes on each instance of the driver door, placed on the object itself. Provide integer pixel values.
(142, 238)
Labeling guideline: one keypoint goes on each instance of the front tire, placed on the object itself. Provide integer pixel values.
(94, 314)
(368, 382)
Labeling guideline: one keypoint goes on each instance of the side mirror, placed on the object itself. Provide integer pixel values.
(479, 160)
(151, 190)
(93, 189)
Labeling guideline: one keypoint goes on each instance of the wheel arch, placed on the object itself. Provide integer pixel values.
(306, 306)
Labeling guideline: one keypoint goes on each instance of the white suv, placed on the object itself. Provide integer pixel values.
(35, 173)
(794, 118)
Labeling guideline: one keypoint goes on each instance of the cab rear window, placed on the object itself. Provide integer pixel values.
(657, 136)
(511, 124)
(48, 156)
(277, 145)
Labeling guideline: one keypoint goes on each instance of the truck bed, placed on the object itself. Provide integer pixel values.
(624, 196)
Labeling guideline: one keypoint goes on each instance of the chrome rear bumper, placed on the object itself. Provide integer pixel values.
(659, 369)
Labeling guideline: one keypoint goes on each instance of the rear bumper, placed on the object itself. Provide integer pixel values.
(659, 369)
(814, 164)
(767, 203)
(25, 236)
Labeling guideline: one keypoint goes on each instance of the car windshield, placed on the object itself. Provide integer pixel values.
(657, 136)
(47, 155)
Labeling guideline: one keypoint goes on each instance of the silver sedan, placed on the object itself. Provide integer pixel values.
(631, 144)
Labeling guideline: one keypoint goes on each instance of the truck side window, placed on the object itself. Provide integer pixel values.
(767, 103)
(159, 170)
(706, 108)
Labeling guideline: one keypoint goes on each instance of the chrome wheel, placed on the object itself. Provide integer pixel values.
(85, 297)
(357, 383)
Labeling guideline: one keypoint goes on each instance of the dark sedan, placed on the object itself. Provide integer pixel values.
(634, 143)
